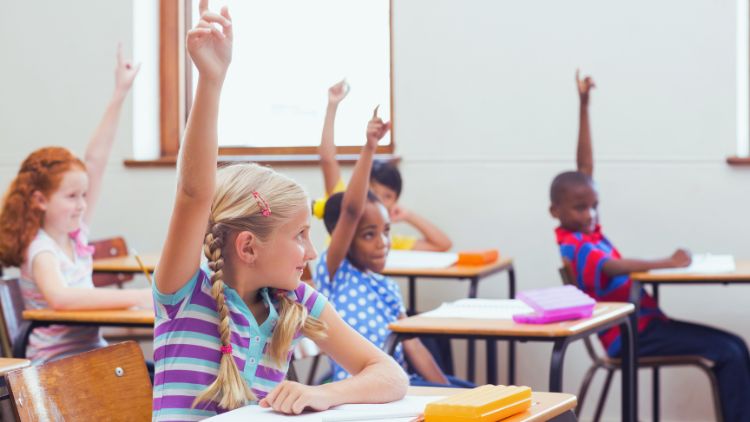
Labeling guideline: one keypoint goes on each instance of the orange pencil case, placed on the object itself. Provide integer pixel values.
(488, 403)
(480, 257)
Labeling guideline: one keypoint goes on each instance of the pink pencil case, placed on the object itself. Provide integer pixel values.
(555, 304)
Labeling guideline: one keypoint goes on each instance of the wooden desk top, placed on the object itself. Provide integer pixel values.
(741, 274)
(11, 364)
(544, 405)
(603, 313)
(455, 271)
(126, 264)
(143, 317)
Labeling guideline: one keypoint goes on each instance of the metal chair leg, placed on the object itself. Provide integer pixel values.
(585, 387)
(603, 397)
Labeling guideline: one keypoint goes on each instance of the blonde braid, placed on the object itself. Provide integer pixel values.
(293, 317)
(229, 389)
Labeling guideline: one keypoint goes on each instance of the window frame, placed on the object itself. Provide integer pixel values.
(175, 92)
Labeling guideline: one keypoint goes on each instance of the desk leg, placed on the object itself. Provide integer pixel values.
(556, 367)
(629, 372)
(491, 361)
(655, 380)
(470, 363)
(391, 342)
(412, 310)
(511, 344)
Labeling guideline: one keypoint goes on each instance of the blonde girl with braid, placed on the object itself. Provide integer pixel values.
(225, 330)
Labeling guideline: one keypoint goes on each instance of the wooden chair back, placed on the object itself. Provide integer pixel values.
(109, 384)
(12, 324)
(110, 248)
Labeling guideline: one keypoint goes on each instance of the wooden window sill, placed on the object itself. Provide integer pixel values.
(738, 161)
(277, 160)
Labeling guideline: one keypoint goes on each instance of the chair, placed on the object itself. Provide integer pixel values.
(610, 365)
(110, 384)
(110, 248)
(13, 328)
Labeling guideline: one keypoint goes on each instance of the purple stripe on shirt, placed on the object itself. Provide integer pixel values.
(269, 373)
(185, 376)
(186, 402)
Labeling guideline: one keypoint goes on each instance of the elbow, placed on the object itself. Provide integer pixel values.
(58, 304)
(400, 383)
(352, 211)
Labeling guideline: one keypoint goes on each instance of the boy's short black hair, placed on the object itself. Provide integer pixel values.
(563, 182)
(333, 209)
(387, 175)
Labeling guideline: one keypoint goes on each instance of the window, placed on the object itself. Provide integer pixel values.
(286, 55)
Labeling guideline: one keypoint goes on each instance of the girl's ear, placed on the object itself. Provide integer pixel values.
(38, 201)
(246, 247)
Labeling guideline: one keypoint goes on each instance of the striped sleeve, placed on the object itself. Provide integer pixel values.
(589, 264)
(311, 299)
(168, 305)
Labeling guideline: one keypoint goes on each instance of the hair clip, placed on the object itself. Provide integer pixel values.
(265, 210)
(226, 350)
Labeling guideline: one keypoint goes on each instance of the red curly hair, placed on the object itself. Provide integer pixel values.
(21, 218)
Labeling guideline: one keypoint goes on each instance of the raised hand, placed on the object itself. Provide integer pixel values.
(376, 129)
(125, 73)
(338, 92)
(209, 47)
(680, 258)
(398, 213)
(584, 87)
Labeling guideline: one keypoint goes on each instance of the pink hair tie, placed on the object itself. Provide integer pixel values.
(265, 210)
(82, 248)
(226, 350)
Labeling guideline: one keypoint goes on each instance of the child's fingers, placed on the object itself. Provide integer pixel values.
(375, 112)
(578, 75)
(288, 404)
(299, 405)
(212, 17)
(198, 32)
(228, 31)
(272, 395)
(203, 6)
(263, 402)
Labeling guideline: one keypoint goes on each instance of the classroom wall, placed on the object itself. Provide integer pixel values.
(485, 116)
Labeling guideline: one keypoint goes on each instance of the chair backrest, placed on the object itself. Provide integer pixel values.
(110, 248)
(566, 274)
(11, 310)
(109, 384)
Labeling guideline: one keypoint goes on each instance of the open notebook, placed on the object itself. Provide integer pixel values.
(480, 309)
(419, 260)
(399, 411)
(703, 264)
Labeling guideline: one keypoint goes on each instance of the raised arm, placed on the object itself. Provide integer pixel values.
(355, 197)
(433, 239)
(211, 51)
(100, 145)
(584, 153)
(327, 148)
(615, 267)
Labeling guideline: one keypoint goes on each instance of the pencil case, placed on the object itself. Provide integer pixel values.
(555, 304)
(479, 257)
(488, 403)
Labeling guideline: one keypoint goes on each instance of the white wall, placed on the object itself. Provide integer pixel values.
(485, 117)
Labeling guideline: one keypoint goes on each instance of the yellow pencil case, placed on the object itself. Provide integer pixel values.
(488, 403)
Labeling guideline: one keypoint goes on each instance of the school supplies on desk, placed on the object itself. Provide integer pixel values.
(420, 259)
(481, 257)
(555, 304)
(479, 309)
(703, 264)
(488, 403)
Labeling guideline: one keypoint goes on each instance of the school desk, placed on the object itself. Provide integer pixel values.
(561, 334)
(740, 275)
(544, 407)
(7, 365)
(126, 264)
(140, 318)
(472, 273)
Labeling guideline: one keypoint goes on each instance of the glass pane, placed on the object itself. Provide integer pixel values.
(286, 55)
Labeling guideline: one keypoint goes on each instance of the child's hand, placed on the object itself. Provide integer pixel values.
(292, 398)
(210, 48)
(376, 129)
(584, 86)
(338, 92)
(398, 213)
(125, 73)
(680, 258)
